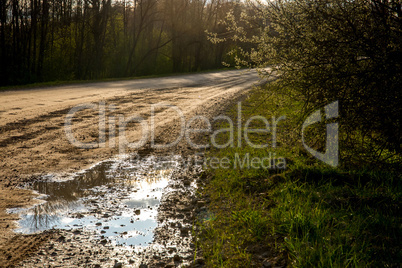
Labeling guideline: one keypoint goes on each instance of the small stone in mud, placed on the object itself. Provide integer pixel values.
(184, 232)
(118, 265)
(170, 265)
(199, 261)
(177, 258)
(200, 203)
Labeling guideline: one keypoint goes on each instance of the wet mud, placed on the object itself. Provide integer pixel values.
(131, 211)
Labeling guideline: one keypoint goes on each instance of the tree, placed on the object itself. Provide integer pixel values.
(45, 40)
(330, 50)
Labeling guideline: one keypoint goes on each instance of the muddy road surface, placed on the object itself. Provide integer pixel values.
(61, 133)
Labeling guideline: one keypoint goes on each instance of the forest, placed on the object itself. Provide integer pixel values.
(48, 40)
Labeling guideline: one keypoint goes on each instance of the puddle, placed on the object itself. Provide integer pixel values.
(116, 200)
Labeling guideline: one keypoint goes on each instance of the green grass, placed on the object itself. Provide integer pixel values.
(307, 215)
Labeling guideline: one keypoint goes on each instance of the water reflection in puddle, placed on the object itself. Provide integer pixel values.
(116, 199)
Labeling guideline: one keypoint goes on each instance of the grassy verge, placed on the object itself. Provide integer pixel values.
(306, 215)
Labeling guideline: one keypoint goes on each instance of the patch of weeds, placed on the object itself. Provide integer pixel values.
(307, 215)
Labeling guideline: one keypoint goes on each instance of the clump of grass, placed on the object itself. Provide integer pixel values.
(308, 215)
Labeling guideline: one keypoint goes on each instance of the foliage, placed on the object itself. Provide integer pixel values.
(48, 40)
(330, 50)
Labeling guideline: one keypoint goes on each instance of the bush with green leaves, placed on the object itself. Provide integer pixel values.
(327, 50)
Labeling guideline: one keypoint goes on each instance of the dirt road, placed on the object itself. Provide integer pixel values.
(33, 134)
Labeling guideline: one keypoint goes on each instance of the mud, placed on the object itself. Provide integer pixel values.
(33, 145)
(134, 212)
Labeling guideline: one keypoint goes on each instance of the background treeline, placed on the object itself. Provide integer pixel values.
(45, 40)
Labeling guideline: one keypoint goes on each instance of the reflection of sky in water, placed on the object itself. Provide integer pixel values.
(116, 199)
